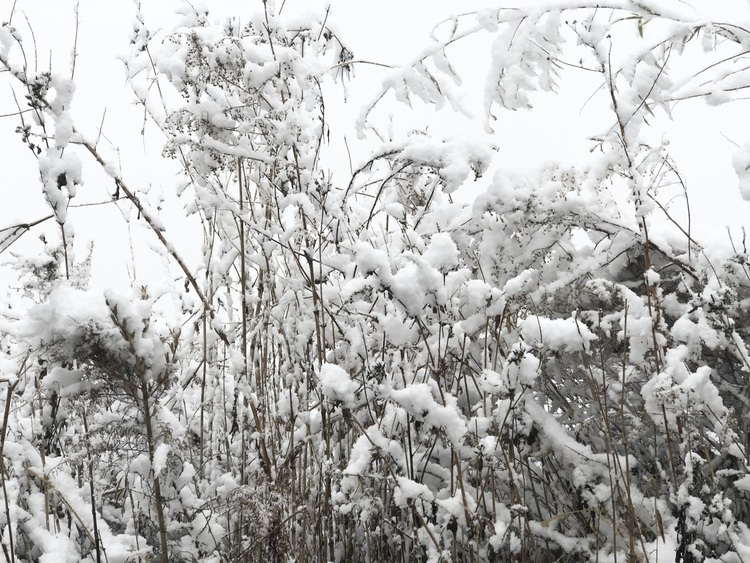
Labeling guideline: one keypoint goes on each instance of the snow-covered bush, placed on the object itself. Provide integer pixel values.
(374, 371)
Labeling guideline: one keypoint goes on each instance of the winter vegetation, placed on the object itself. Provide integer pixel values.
(436, 359)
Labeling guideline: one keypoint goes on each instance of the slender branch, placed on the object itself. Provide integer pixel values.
(157, 229)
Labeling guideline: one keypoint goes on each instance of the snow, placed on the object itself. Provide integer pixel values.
(63, 129)
(741, 164)
(456, 508)
(419, 402)
(64, 381)
(399, 331)
(695, 334)
(65, 314)
(442, 253)
(407, 491)
(160, 458)
(359, 457)
(743, 483)
(568, 335)
(336, 384)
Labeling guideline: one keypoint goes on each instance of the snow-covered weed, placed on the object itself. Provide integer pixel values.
(371, 370)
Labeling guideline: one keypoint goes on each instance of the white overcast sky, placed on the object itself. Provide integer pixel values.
(387, 31)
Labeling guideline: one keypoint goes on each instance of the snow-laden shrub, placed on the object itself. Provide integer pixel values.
(372, 370)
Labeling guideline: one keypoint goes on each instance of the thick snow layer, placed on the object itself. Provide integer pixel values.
(336, 384)
(408, 491)
(64, 315)
(442, 253)
(419, 402)
(567, 335)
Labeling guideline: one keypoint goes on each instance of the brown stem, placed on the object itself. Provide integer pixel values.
(3, 432)
(97, 546)
(157, 487)
(130, 194)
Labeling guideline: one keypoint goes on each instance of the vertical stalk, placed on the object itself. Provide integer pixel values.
(157, 486)
(203, 393)
(4, 475)
(43, 457)
(243, 266)
(65, 251)
(91, 490)
(243, 342)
